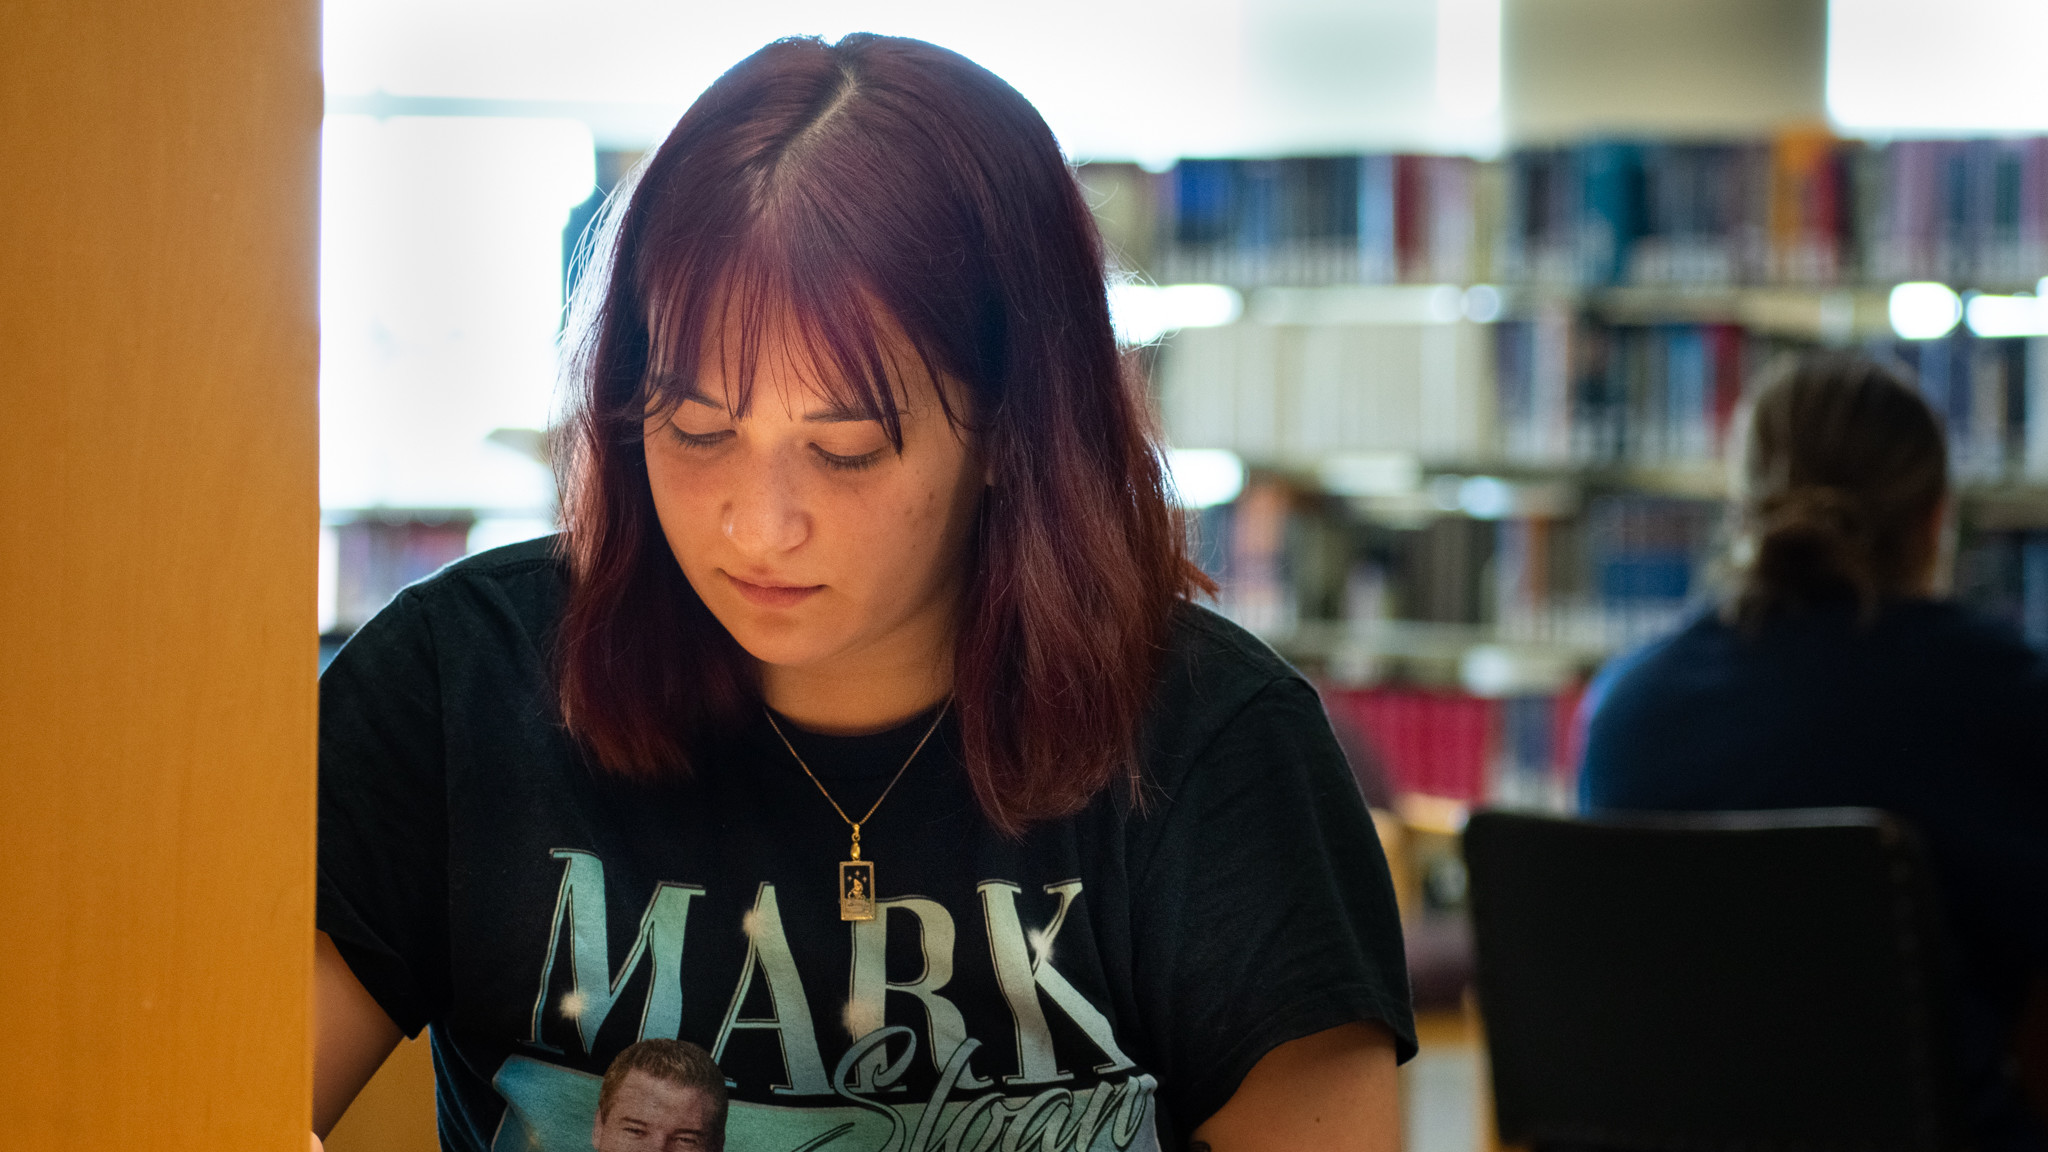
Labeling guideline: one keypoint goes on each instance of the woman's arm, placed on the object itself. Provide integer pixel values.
(351, 1035)
(1335, 1090)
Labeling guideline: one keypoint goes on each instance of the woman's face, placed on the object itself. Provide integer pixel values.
(817, 544)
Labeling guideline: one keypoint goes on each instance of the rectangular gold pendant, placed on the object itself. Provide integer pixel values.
(856, 890)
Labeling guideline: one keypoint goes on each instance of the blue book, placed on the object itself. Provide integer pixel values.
(1612, 212)
(1203, 211)
(1260, 204)
(1688, 385)
(1377, 255)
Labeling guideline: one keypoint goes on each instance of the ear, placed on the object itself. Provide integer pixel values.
(597, 1130)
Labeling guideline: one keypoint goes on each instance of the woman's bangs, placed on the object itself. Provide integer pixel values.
(816, 319)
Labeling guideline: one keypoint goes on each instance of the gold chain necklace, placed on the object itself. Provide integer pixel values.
(857, 876)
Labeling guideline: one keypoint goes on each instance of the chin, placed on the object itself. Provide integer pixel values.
(775, 638)
(783, 651)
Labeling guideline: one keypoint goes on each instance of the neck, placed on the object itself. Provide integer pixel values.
(873, 697)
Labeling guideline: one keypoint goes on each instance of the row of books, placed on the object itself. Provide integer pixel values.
(1368, 219)
(1628, 568)
(1800, 208)
(1595, 580)
(1520, 751)
(1575, 392)
(1973, 212)
(1993, 399)
(1302, 393)
(1557, 389)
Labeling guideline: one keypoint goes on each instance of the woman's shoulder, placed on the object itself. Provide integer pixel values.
(1214, 659)
(1699, 642)
(1934, 649)
(528, 578)
(1216, 676)
(493, 604)
(1932, 642)
(1923, 633)
(1980, 665)
(540, 557)
(1949, 627)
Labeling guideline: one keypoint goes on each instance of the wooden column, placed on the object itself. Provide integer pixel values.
(158, 515)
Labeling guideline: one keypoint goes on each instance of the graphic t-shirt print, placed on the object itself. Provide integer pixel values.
(1065, 1087)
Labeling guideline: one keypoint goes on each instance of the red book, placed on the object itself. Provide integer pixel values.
(1567, 732)
(1433, 743)
(1411, 216)
(1724, 351)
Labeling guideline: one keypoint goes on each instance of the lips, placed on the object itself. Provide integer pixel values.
(774, 595)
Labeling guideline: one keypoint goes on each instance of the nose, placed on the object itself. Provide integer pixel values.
(764, 515)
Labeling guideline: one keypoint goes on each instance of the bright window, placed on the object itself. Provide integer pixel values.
(440, 300)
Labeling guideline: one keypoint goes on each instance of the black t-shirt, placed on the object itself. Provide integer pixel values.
(1104, 982)
(1929, 712)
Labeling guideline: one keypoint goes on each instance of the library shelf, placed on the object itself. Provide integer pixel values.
(1488, 407)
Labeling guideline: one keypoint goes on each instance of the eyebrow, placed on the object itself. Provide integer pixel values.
(649, 1126)
(629, 1118)
(835, 414)
(838, 414)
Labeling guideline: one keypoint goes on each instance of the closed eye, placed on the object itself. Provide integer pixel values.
(849, 463)
(699, 439)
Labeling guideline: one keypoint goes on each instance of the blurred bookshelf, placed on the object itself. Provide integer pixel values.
(1484, 409)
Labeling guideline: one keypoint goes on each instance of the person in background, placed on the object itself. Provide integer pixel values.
(660, 1095)
(1836, 676)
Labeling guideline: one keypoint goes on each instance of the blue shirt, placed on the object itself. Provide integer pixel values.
(1929, 713)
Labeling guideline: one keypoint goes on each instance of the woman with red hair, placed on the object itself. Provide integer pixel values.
(859, 726)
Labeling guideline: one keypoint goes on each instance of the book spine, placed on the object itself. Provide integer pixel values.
(2033, 214)
(1514, 384)
(1411, 217)
(1728, 372)
(1551, 386)
(1378, 248)
(1451, 226)
(1611, 210)
(2034, 464)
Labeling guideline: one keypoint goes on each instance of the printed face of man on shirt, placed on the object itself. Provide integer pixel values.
(649, 1114)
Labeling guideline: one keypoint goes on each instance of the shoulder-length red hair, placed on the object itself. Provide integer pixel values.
(830, 183)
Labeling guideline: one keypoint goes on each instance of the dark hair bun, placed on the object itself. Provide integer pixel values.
(1844, 463)
(1813, 544)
